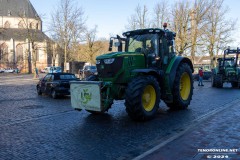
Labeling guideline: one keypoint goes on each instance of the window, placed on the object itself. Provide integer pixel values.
(21, 24)
(48, 77)
(67, 76)
(19, 53)
(142, 43)
(31, 25)
(9, 13)
(37, 26)
(7, 25)
(4, 52)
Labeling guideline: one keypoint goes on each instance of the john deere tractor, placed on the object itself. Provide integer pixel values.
(142, 73)
(227, 69)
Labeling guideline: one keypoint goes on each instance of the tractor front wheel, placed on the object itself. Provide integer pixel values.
(142, 98)
(182, 88)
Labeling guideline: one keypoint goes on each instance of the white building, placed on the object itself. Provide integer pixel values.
(22, 42)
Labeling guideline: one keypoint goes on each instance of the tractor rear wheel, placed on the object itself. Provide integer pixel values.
(142, 98)
(182, 88)
(219, 81)
(213, 80)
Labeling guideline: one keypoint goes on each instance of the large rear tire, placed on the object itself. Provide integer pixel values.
(219, 81)
(142, 98)
(213, 81)
(182, 88)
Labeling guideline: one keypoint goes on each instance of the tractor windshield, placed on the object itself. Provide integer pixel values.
(227, 63)
(146, 43)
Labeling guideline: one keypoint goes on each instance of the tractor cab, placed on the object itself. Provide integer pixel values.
(157, 45)
(227, 69)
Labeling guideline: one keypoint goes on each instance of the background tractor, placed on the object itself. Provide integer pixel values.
(143, 70)
(227, 69)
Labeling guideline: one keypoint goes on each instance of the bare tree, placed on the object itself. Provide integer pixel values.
(181, 25)
(198, 22)
(92, 47)
(68, 22)
(219, 29)
(140, 19)
(160, 14)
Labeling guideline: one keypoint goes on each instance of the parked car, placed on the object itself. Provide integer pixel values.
(52, 69)
(55, 84)
(87, 71)
(206, 75)
(2, 70)
(9, 70)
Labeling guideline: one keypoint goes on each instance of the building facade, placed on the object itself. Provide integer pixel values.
(23, 44)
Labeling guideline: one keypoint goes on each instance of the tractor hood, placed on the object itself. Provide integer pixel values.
(116, 54)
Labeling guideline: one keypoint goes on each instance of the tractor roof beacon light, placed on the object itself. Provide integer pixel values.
(165, 25)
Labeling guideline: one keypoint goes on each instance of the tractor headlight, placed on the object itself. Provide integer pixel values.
(109, 61)
(98, 61)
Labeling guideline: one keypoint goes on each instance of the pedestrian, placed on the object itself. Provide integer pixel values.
(200, 74)
(36, 71)
(17, 70)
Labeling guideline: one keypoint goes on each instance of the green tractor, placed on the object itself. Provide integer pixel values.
(146, 71)
(227, 70)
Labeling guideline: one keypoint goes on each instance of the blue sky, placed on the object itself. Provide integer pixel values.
(111, 15)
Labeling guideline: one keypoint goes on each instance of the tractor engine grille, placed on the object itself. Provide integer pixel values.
(109, 70)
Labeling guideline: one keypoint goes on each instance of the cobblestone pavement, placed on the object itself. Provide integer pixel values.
(38, 127)
(217, 137)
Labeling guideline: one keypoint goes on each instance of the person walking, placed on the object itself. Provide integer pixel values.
(36, 71)
(200, 74)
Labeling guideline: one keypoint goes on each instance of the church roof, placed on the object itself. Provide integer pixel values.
(22, 34)
(17, 8)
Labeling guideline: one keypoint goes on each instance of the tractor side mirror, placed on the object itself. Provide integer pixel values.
(110, 45)
(116, 44)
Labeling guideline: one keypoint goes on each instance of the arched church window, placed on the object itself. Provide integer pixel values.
(37, 26)
(4, 52)
(31, 25)
(7, 25)
(21, 24)
(19, 53)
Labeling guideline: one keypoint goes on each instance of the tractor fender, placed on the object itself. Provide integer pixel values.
(173, 66)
